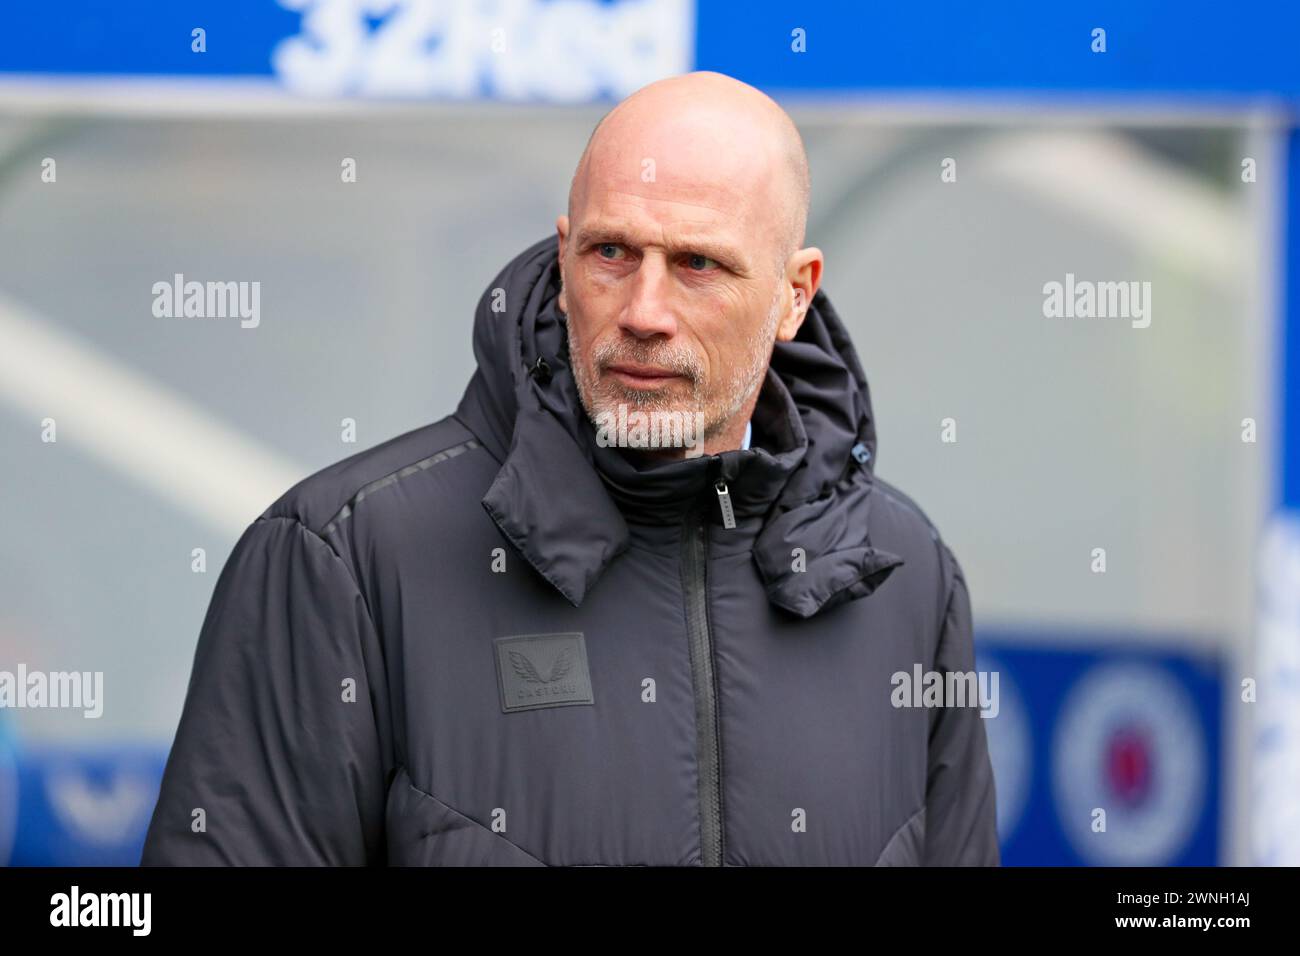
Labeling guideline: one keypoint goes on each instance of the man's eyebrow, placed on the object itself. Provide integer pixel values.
(722, 252)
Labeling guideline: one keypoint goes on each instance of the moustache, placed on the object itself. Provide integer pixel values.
(678, 361)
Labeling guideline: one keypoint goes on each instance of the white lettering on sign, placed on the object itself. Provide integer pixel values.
(557, 50)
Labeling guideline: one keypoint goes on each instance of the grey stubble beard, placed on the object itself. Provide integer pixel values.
(741, 383)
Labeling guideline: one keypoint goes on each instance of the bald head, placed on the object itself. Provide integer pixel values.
(710, 136)
(681, 255)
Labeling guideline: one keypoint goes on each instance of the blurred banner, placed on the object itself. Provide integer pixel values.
(574, 50)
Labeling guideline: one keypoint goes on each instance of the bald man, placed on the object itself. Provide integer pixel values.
(722, 220)
(641, 600)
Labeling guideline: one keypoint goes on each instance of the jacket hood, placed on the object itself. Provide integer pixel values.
(565, 501)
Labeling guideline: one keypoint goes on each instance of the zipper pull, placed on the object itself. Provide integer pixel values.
(724, 502)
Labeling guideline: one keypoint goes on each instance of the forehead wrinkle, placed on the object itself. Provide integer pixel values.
(691, 158)
(723, 223)
(632, 197)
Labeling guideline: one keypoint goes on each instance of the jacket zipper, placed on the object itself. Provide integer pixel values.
(724, 504)
(708, 745)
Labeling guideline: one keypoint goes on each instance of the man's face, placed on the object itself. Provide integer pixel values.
(673, 295)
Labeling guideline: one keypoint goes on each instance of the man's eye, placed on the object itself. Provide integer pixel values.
(700, 263)
(609, 250)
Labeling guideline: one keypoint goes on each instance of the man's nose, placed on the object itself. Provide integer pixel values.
(649, 310)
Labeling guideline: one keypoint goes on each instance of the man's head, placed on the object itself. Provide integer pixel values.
(681, 254)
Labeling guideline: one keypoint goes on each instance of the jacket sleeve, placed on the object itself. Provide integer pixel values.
(961, 814)
(278, 758)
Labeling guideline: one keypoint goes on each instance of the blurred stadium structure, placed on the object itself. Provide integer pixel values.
(1121, 688)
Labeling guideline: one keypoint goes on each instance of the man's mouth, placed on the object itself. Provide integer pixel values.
(643, 376)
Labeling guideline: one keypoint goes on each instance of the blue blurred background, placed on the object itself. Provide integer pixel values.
(132, 148)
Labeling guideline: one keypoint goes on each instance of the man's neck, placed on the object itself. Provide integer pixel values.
(730, 439)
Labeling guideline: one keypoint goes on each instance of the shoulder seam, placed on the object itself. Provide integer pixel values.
(898, 497)
(331, 549)
(393, 477)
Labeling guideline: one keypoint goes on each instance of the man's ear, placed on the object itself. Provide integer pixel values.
(562, 230)
(803, 276)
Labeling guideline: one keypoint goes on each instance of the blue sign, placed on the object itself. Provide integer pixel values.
(597, 49)
(1104, 756)
(86, 806)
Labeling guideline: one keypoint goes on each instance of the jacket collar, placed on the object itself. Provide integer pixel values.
(563, 500)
